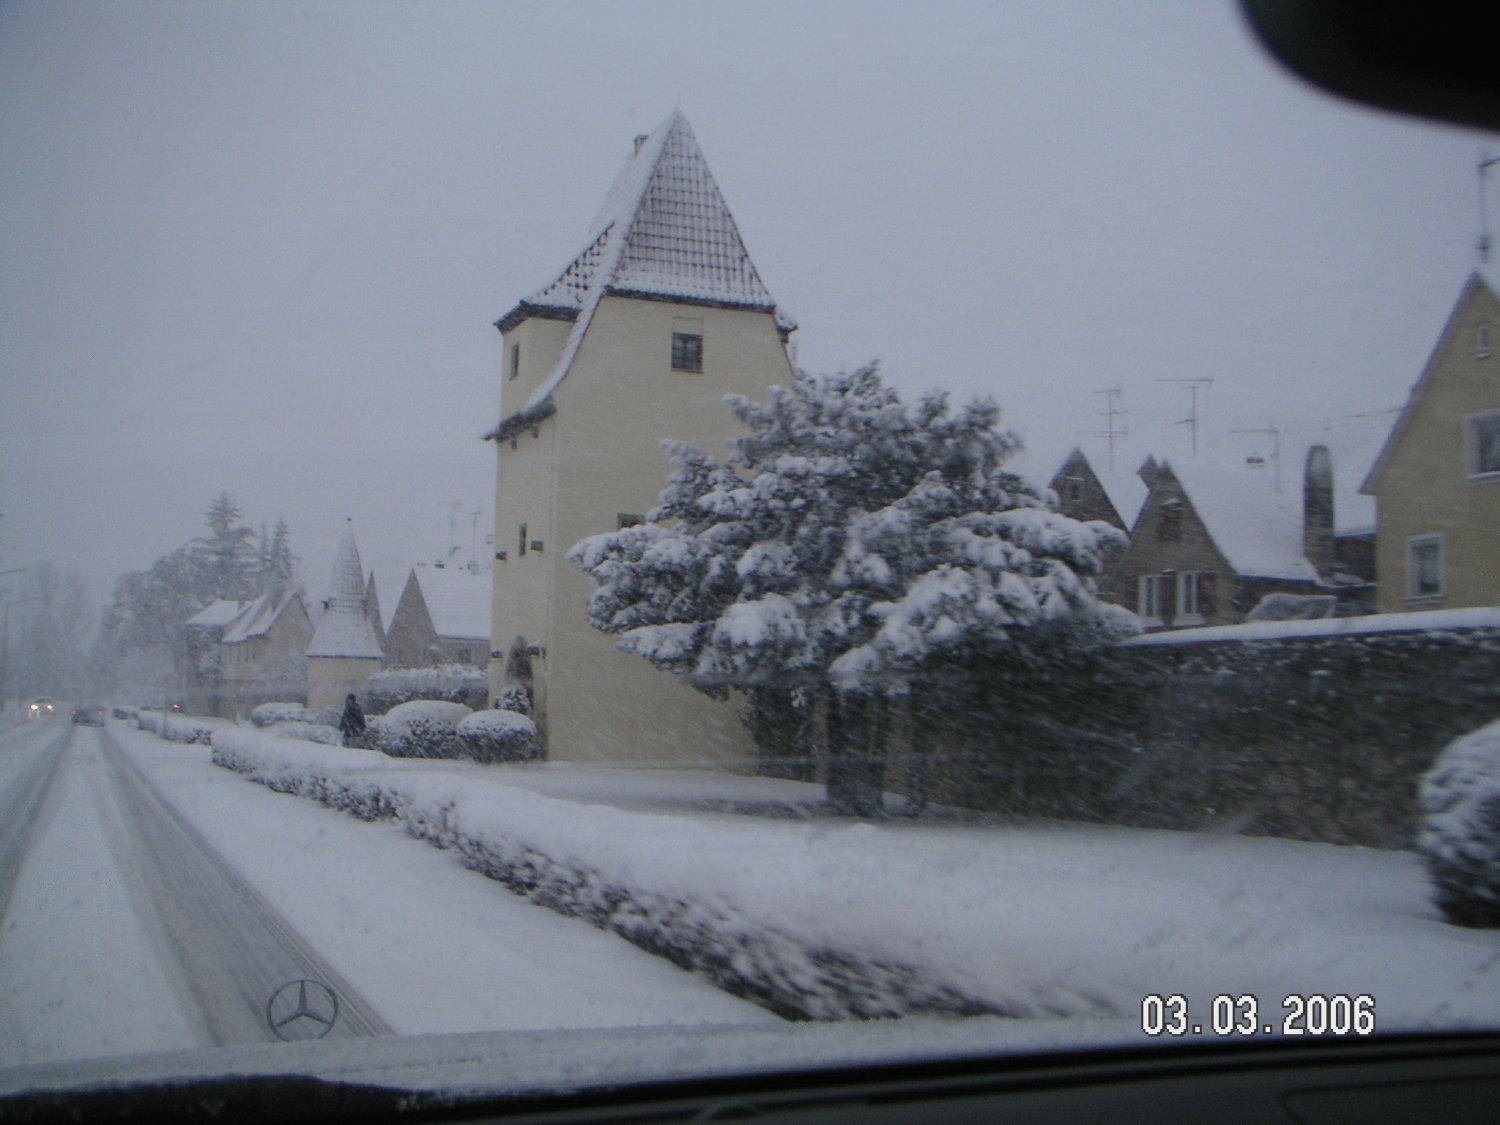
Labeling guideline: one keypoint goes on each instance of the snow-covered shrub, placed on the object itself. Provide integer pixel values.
(452, 683)
(514, 697)
(423, 728)
(499, 736)
(308, 732)
(185, 728)
(1293, 607)
(148, 720)
(269, 714)
(1460, 838)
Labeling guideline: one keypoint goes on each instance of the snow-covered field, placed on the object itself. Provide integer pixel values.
(1029, 920)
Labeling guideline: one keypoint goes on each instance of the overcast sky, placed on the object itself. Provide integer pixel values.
(260, 247)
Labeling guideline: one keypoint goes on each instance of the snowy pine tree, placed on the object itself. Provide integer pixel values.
(851, 546)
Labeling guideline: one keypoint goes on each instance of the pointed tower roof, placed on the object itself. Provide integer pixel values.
(345, 629)
(664, 233)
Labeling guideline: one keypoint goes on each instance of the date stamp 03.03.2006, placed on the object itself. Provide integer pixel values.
(1244, 1015)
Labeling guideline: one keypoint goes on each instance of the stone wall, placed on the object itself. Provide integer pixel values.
(1313, 738)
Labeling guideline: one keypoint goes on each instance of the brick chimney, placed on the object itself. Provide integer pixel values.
(1317, 510)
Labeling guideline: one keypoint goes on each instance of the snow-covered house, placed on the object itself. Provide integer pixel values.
(1085, 494)
(344, 647)
(1436, 481)
(197, 655)
(442, 617)
(262, 653)
(1211, 541)
(658, 316)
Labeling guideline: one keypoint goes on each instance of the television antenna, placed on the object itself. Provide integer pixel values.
(1274, 433)
(1482, 243)
(1110, 412)
(1191, 421)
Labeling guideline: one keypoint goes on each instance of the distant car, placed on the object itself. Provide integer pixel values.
(89, 714)
(40, 708)
(122, 712)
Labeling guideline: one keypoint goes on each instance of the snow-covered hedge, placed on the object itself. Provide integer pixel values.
(514, 697)
(423, 728)
(148, 720)
(187, 728)
(452, 683)
(606, 869)
(499, 736)
(1460, 839)
(269, 714)
(311, 732)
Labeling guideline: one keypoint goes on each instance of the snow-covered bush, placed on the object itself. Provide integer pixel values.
(308, 732)
(148, 720)
(514, 697)
(269, 714)
(499, 736)
(855, 546)
(1293, 607)
(452, 683)
(423, 728)
(1460, 837)
(185, 728)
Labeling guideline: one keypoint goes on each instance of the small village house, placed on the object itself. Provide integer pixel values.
(1085, 494)
(1436, 481)
(264, 653)
(442, 617)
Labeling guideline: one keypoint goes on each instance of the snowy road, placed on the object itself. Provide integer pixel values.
(152, 901)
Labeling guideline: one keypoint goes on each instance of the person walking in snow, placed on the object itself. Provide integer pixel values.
(352, 723)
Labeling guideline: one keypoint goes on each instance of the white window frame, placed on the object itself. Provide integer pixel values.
(1412, 543)
(1188, 609)
(1471, 444)
(1144, 601)
(1483, 344)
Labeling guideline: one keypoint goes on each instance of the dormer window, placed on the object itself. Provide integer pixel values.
(687, 352)
(1482, 342)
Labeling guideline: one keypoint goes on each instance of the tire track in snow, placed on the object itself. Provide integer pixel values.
(21, 804)
(233, 946)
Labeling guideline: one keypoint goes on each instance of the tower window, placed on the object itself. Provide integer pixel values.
(687, 352)
(521, 541)
(1482, 344)
(515, 360)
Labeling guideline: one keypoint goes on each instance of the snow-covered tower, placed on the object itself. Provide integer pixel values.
(344, 648)
(658, 317)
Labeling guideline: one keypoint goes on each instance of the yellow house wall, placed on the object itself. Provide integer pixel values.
(1426, 487)
(618, 403)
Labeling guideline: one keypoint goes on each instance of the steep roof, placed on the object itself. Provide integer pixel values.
(458, 601)
(219, 612)
(344, 629)
(1475, 285)
(256, 619)
(664, 232)
(1256, 528)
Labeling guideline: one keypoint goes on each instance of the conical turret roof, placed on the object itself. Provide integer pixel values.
(344, 629)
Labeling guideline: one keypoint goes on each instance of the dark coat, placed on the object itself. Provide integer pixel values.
(353, 720)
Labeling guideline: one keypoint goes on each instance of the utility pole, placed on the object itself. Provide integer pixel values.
(1191, 421)
(1270, 430)
(1110, 412)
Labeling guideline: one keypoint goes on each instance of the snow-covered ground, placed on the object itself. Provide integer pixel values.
(92, 956)
(1035, 919)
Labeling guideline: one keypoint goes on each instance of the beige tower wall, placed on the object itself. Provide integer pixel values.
(331, 678)
(599, 457)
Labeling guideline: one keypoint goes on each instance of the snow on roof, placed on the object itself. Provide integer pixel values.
(256, 619)
(1258, 529)
(458, 601)
(1434, 620)
(220, 611)
(664, 231)
(344, 630)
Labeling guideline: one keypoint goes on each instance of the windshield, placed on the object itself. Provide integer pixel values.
(857, 530)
